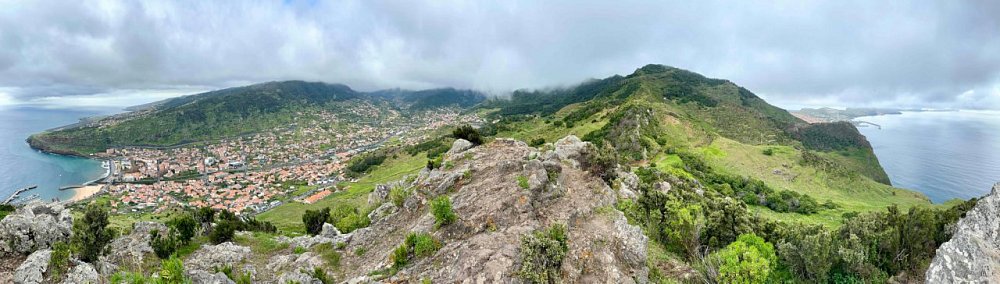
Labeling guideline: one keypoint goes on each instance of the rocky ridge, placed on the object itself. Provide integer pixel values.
(495, 210)
(973, 253)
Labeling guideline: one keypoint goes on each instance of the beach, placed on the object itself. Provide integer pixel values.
(81, 193)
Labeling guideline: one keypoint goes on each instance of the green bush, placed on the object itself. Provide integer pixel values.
(59, 261)
(416, 245)
(522, 181)
(749, 259)
(441, 208)
(172, 271)
(223, 231)
(314, 219)
(164, 244)
(537, 142)
(468, 133)
(91, 233)
(398, 195)
(542, 253)
(205, 215)
(768, 152)
(185, 226)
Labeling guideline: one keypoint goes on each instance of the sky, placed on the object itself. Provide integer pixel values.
(930, 54)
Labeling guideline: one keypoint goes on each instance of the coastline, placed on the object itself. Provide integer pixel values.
(85, 192)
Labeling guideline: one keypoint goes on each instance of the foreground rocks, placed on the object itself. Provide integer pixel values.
(973, 253)
(495, 210)
(32, 270)
(35, 226)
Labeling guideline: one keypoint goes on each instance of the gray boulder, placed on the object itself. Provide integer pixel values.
(205, 277)
(571, 149)
(211, 256)
(973, 253)
(32, 270)
(459, 146)
(537, 177)
(134, 247)
(83, 273)
(34, 226)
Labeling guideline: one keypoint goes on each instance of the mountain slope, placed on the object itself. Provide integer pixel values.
(237, 111)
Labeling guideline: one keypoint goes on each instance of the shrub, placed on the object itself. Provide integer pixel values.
(224, 231)
(542, 253)
(522, 181)
(59, 262)
(185, 227)
(353, 221)
(768, 152)
(398, 195)
(6, 209)
(314, 219)
(91, 234)
(537, 142)
(468, 133)
(163, 244)
(205, 215)
(749, 259)
(172, 271)
(441, 208)
(416, 245)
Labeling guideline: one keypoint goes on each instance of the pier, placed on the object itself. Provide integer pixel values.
(17, 193)
(862, 123)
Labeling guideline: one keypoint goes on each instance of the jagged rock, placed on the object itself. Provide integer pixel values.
(205, 277)
(459, 146)
(134, 247)
(295, 262)
(537, 177)
(447, 183)
(34, 226)
(379, 194)
(973, 253)
(628, 184)
(32, 270)
(571, 149)
(82, 273)
(495, 212)
(329, 231)
(665, 187)
(383, 211)
(211, 256)
(298, 277)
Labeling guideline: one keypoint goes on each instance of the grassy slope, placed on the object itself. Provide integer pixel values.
(288, 216)
(852, 194)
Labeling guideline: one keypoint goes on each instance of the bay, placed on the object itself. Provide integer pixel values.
(21, 166)
(945, 155)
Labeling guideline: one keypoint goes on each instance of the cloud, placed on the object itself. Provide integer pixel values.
(858, 53)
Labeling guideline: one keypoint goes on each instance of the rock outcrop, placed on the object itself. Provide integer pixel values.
(131, 249)
(500, 192)
(35, 226)
(973, 253)
(32, 271)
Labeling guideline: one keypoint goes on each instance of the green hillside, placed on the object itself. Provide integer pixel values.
(238, 111)
(657, 115)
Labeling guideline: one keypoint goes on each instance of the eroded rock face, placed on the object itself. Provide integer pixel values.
(205, 277)
(82, 273)
(128, 250)
(494, 211)
(459, 146)
(209, 257)
(973, 253)
(33, 227)
(32, 270)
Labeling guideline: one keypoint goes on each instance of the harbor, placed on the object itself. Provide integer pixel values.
(17, 193)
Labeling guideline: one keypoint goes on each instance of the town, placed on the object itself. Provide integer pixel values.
(254, 173)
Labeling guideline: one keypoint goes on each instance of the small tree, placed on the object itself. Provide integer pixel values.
(749, 259)
(164, 244)
(468, 133)
(205, 215)
(91, 234)
(441, 208)
(542, 254)
(314, 219)
(59, 262)
(223, 231)
(185, 227)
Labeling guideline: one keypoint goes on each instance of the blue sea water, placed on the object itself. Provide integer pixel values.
(945, 155)
(21, 166)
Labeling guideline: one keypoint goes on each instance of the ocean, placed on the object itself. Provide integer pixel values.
(21, 166)
(945, 155)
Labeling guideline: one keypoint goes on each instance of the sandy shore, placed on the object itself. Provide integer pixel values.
(84, 192)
